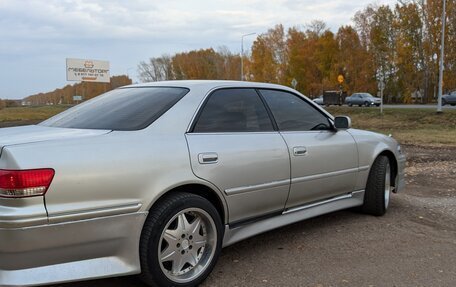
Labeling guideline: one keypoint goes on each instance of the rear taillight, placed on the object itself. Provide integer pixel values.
(25, 183)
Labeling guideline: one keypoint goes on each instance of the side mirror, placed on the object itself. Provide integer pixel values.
(342, 122)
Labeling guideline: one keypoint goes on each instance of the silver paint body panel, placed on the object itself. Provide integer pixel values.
(63, 252)
(89, 222)
(250, 166)
(315, 179)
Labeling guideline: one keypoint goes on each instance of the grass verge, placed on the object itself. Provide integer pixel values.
(39, 113)
(409, 126)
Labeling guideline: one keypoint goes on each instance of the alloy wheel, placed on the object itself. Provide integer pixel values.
(187, 245)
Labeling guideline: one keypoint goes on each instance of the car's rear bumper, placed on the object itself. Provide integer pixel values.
(63, 252)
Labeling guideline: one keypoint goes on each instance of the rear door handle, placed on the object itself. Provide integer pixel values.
(208, 157)
(299, 150)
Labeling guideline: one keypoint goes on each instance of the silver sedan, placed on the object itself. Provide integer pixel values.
(154, 179)
(449, 99)
(363, 99)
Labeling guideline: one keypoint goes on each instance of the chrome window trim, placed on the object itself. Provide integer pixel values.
(257, 88)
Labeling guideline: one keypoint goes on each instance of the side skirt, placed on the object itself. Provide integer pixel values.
(238, 233)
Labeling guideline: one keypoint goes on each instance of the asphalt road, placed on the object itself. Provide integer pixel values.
(410, 106)
(447, 107)
(414, 244)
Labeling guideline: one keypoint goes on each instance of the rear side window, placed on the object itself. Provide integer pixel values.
(233, 110)
(122, 109)
(292, 113)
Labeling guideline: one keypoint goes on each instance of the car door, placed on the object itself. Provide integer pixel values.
(324, 162)
(452, 98)
(233, 145)
(358, 99)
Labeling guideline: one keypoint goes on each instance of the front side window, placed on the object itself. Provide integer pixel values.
(121, 109)
(292, 113)
(233, 110)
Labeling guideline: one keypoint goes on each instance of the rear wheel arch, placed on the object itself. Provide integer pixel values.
(202, 190)
(158, 253)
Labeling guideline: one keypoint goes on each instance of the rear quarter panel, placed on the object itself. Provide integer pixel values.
(120, 172)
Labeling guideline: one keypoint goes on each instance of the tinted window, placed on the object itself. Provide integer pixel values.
(121, 109)
(293, 113)
(233, 110)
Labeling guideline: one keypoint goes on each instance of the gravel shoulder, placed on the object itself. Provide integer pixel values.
(414, 244)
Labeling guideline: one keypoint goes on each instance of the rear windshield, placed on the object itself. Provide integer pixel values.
(122, 109)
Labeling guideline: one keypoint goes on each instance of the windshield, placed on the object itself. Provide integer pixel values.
(121, 109)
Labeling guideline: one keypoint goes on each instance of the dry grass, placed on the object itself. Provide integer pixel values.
(409, 126)
(28, 114)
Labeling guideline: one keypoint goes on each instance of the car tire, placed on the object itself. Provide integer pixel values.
(453, 105)
(366, 104)
(350, 104)
(378, 105)
(186, 229)
(378, 188)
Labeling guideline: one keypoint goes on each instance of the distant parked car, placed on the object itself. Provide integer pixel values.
(319, 100)
(449, 99)
(362, 99)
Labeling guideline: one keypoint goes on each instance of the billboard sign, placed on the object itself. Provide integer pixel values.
(87, 70)
(77, 98)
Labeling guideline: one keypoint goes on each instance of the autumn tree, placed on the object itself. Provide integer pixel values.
(269, 56)
(299, 63)
(411, 65)
(156, 69)
(354, 62)
(87, 90)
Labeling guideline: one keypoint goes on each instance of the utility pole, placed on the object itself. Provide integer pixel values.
(242, 54)
(442, 48)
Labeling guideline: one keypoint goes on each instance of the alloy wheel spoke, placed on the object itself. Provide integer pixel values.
(192, 258)
(198, 244)
(171, 236)
(169, 254)
(182, 223)
(195, 226)
(178, 264)
(197, 237)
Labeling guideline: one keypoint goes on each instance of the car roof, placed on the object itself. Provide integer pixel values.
(209, 84)
(214, 84)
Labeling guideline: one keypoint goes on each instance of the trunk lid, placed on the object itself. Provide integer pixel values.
(36, 133)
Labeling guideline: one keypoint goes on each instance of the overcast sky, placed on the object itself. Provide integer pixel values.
(37, 36)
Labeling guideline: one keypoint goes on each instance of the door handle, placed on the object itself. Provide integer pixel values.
(299, 150)
(207, 157)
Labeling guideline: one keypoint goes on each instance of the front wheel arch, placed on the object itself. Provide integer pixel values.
(393, 164)
(378, 187)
